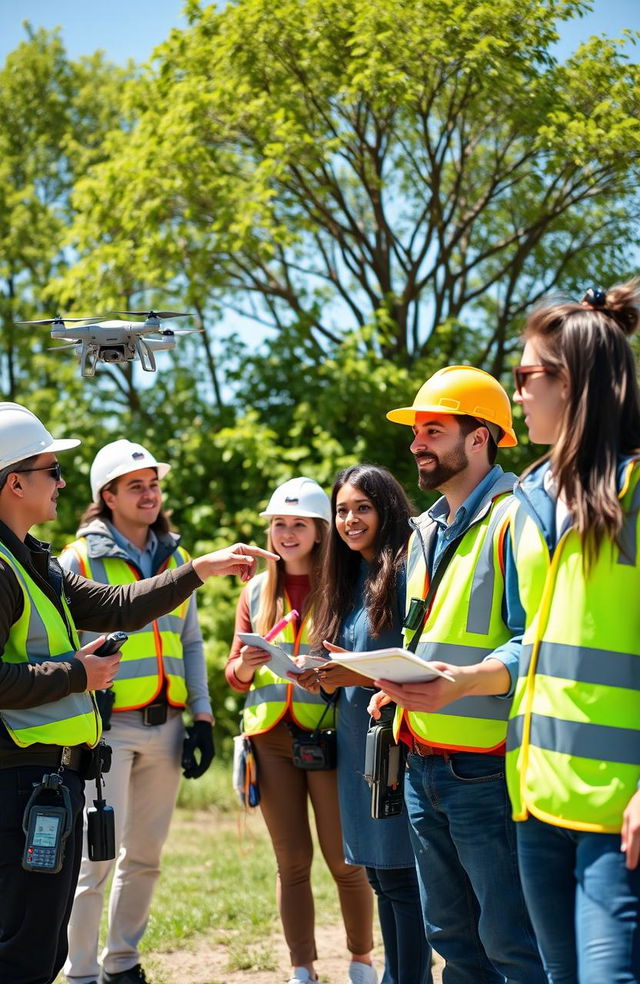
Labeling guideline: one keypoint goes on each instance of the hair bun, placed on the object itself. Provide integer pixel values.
(623, 304)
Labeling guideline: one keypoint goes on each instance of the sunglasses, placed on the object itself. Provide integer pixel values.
(520, 374)
(54, 470)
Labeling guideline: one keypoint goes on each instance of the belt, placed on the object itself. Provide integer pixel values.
(418, 748)
(66, 756)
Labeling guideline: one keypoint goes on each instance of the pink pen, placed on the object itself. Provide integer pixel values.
(282, 624)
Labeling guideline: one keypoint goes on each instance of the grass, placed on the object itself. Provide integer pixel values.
(218, 878)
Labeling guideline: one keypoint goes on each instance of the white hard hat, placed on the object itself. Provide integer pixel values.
(22, 435)
(299, 497)
(120, 458)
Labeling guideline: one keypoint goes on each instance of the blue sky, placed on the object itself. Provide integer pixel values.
(132, 28)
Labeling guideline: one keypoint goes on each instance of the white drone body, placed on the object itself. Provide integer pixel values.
(115, 342)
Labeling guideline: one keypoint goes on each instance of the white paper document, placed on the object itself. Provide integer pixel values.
(397, 665)
(280, 663)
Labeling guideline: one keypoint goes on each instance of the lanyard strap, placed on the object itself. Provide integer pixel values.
(433, 585)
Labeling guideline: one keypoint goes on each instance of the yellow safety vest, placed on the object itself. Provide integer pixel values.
(270, 697)
(573, 746)
(464, 625)
(151, 655)
(40, 635)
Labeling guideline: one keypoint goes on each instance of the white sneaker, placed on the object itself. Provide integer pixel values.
(360, 973)
(302, 976)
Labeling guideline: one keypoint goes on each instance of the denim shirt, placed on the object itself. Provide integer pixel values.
(143, 559)
(374, 843)
(512, 611)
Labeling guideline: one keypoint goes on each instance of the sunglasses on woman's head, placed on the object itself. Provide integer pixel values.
(520, 374)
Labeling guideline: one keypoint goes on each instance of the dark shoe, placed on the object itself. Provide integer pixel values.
(135, 975)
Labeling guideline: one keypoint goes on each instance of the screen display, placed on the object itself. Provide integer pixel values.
(45, 832)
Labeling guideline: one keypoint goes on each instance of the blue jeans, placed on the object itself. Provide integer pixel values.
(465, 845)
(407, 955)
(584, 903)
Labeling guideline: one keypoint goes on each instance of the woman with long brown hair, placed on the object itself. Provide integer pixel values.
(573, 762)
(276, 712)
(360, 608)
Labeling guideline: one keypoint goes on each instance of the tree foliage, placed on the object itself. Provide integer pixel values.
(363, 191)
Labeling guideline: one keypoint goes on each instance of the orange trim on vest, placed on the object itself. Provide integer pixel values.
(80, 559)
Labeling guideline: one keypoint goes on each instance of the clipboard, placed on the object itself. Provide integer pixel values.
(395, 664)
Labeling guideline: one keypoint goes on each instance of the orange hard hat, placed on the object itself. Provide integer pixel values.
(462, 390)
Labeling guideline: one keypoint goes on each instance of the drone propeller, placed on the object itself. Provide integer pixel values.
(154, 314)
(61, 320)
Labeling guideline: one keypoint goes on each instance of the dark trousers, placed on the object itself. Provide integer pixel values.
(407, 954)
(34, 908)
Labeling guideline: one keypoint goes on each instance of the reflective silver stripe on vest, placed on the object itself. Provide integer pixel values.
(414, 557)
(277, 693)
(97, 570)
(628, 538)
(129, 669)
(519, 520)
(480, 708)
(484, 577)
(170, 623)
(449, 652)
(578, 738)
(525, 659)
(271, 692)
(600, 666)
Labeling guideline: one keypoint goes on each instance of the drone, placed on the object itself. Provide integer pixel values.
(100, 339)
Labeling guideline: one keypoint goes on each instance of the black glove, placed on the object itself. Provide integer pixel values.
(199, 739)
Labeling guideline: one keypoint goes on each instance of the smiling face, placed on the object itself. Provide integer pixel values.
(543, 398)
(357, 520)
(439, 448)
(135, 499)
(293, 538)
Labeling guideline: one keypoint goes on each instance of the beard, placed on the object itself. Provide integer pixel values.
(442, 468)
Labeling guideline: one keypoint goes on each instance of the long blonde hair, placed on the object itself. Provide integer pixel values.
(272, 594)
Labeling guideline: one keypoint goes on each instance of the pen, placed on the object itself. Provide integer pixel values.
(282, 624)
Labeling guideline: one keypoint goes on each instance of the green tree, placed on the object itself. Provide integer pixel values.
(54, 115)
(426, 168)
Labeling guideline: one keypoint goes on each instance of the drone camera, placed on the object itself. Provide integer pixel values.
(115, 354)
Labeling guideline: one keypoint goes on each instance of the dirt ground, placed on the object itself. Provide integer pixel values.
(203, 963)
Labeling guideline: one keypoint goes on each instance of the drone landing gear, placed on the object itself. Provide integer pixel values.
(89, 360)
(146, 356)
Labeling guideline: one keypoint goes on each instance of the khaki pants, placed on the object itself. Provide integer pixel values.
(142, 787)
(284, 794)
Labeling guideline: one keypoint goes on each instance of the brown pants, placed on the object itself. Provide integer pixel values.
(284, 791)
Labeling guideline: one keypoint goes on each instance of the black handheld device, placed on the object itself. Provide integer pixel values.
(101, 826)
(101, 831)
(384, 771)
(46, 825)
(111, 644)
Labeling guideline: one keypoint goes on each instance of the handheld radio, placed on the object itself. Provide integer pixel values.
(46, 826)
(113, 642)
